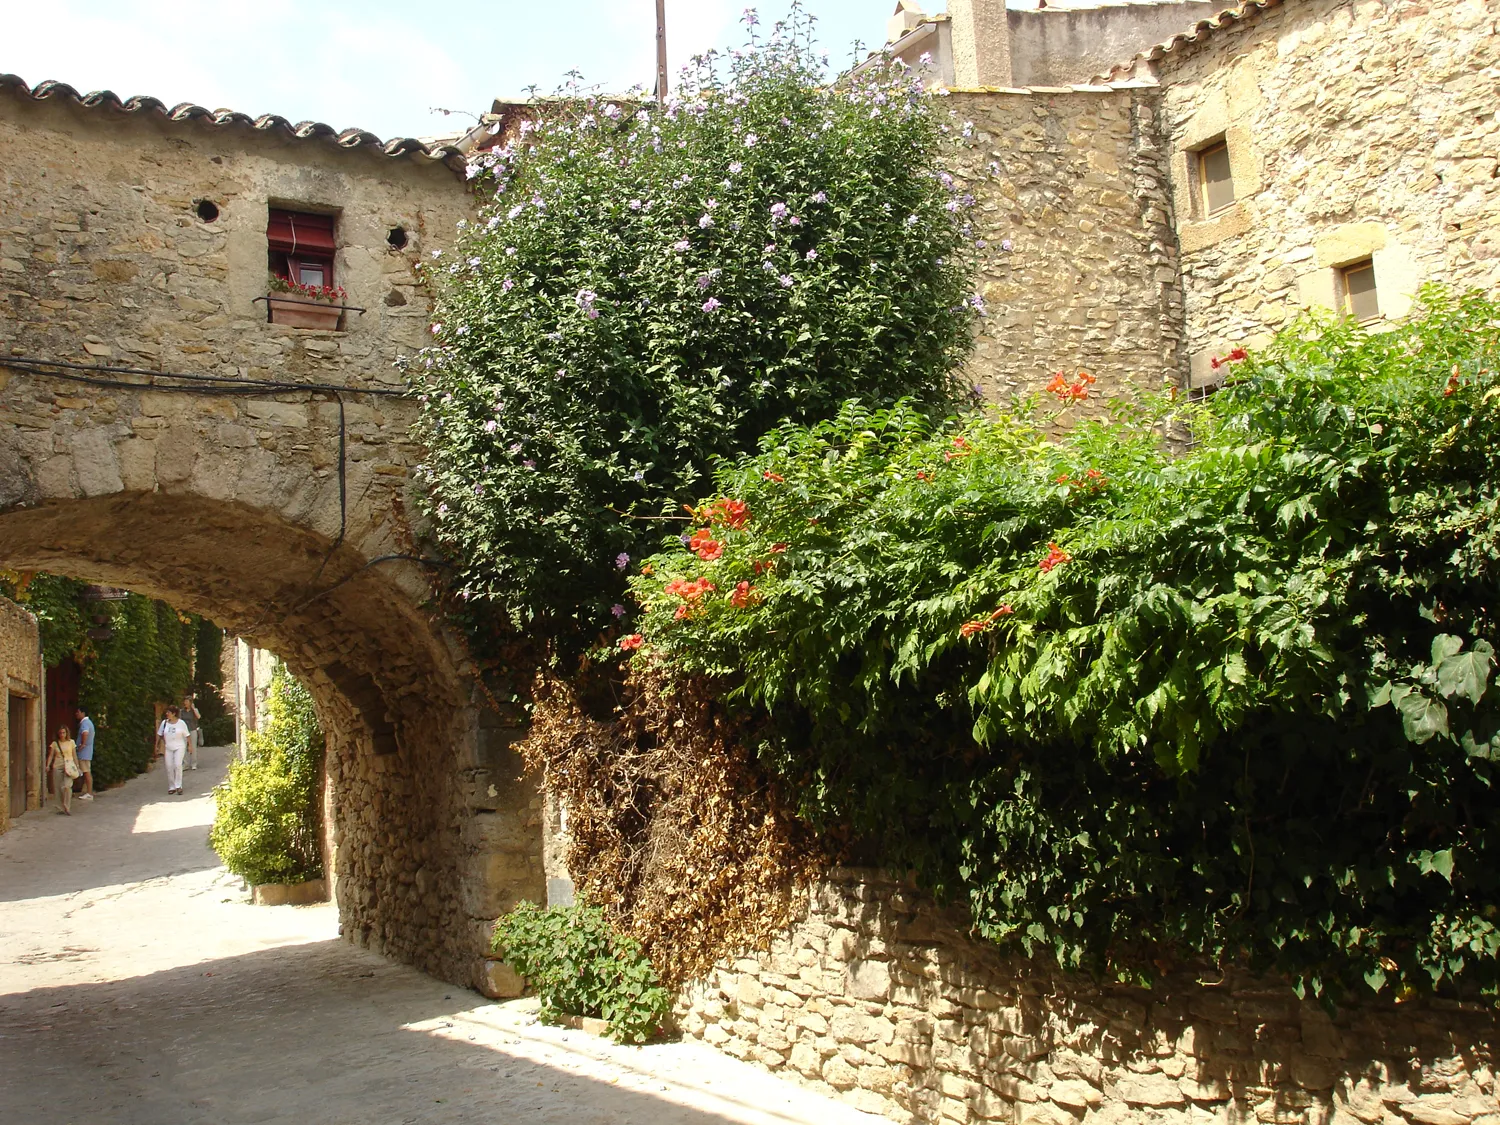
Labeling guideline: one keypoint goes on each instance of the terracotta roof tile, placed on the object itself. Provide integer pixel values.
(1200, 31)
(267, 123)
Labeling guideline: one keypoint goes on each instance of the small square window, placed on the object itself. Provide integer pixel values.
(301, 247)
(1360, 298)
(1215, 178)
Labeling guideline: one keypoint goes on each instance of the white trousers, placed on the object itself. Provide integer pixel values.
(174, 768)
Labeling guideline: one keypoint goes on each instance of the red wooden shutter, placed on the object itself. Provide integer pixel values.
(296, 231)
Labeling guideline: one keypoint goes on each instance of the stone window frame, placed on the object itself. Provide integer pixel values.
(1346, 295)
(1198, 172)
(1212, 124)
(1338, 248)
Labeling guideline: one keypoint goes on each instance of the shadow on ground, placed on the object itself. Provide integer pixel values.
(310, 1033)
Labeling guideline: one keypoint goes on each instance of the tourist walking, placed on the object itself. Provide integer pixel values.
(62, 764)
(191, 717)
(85, 753)
(174, 736)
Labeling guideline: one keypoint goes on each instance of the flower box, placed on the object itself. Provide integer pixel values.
(303, 312)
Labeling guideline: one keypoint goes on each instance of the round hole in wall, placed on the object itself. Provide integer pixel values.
(207, 210)
(396, 238)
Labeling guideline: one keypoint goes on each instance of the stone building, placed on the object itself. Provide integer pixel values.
(1328, 153)
(137, 245)
(22, 786)
(1191, 197)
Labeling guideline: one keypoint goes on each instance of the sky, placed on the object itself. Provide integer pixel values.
(382, 65)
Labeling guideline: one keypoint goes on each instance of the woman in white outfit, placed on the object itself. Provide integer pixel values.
(174, 736)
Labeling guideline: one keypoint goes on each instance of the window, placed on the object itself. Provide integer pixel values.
(1214, 177)
(301, 247)
(1358, 283)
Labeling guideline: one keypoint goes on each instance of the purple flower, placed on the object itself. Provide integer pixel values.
(705, 221)
(442, 509)
(507, 285)
(617, 609)
(794, 221)
(704, 280)
(491, 426)
(819, 197)
(734, 168)
(515, 211)
(622, 560)
(710, 304)
(785, 281)
(529, 463)
(634, 205)
(812, 255)
(751, 140)
(682, 246)
(778, 210)
(515, 447)
(639, 476)
(1006, 245)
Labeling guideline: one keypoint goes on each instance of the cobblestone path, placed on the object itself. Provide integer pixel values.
(138, 986)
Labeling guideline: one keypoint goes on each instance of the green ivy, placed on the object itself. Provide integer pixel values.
(579, 965)
(1230, 703)
(145, 660)
(208, 685)
(646, 290)
(268, 813)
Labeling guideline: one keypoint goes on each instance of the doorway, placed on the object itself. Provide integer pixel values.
(18, 716)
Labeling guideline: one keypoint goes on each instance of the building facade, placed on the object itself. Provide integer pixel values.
(22, 785)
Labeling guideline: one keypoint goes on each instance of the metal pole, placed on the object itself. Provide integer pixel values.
(661, 52)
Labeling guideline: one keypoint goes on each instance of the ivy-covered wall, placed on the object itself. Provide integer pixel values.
(134, 652)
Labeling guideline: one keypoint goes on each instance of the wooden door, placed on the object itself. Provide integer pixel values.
(62, 698)
(18, 740)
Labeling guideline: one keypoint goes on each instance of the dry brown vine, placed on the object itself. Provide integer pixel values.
(673, 826)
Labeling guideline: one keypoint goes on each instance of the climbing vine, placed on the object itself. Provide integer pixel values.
(1131, 706)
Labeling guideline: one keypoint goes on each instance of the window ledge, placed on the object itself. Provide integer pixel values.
(1199, 234)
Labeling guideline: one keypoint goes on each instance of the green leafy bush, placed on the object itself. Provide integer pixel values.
(268, 814)
(579, 965)
(645, 290)
(1233, 704)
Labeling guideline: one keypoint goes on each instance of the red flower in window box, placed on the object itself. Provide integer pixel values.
(304, 306)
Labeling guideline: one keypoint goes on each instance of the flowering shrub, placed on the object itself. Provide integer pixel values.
(1232, 705)
(645, 290)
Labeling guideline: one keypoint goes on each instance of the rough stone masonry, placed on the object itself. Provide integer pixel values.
(134, 238)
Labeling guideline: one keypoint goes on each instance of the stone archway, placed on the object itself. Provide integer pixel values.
(432, 827)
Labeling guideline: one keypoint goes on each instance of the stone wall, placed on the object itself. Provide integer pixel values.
(1060, 46)
(1079, 266)
(1356, 129)
(25, 682)
(876, 995)
(234, 505)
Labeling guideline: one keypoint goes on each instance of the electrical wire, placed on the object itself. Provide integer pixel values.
(191, 383)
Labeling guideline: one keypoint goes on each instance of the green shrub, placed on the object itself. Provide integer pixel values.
(1132, 706)
(581, 966)
(268, 814)
(646, 290)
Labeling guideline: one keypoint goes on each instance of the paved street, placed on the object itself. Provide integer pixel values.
(138, 985)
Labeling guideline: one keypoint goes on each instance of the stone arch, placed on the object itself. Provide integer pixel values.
(416, 868)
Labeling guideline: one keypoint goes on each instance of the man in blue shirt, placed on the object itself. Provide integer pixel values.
(86, 753)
